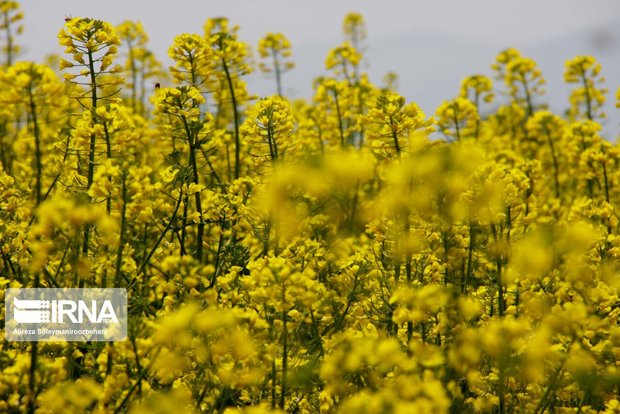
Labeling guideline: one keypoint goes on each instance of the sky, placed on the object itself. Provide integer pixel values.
(431, 44)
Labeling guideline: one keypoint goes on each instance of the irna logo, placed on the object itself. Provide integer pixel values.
(65, 314)
(61, 311)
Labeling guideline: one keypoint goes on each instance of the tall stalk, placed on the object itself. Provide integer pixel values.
(91, 152)
(37, 145)
(233, 97)
(192, 161)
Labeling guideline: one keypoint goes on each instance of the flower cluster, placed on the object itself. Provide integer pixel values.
(342, 254)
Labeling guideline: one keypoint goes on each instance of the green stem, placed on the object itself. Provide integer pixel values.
(9, 39)
(284, 352)
(501, 306)
(235, 119)
(554, 157)
(606, 182)
(273, 151)
(197, 197)
(340, 124)
(134, 75)
(121, 242)
(395, 138)
(409, 275)
(32, 378)
(37, 146)
(91, 152)
(502, 388)
(528, 96)
(457, 130)
(273, 369)
(586, 87)
(33, 368)
(147, 259)
(108, 145)
(277, 70)
(470, 251)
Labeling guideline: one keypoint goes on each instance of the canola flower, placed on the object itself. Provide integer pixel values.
(10, 18)
(277, 47)
(343, 254)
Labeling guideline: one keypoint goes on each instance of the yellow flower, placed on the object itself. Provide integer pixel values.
(457, 119)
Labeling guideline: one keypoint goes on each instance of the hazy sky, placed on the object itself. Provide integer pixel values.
(432, 44)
